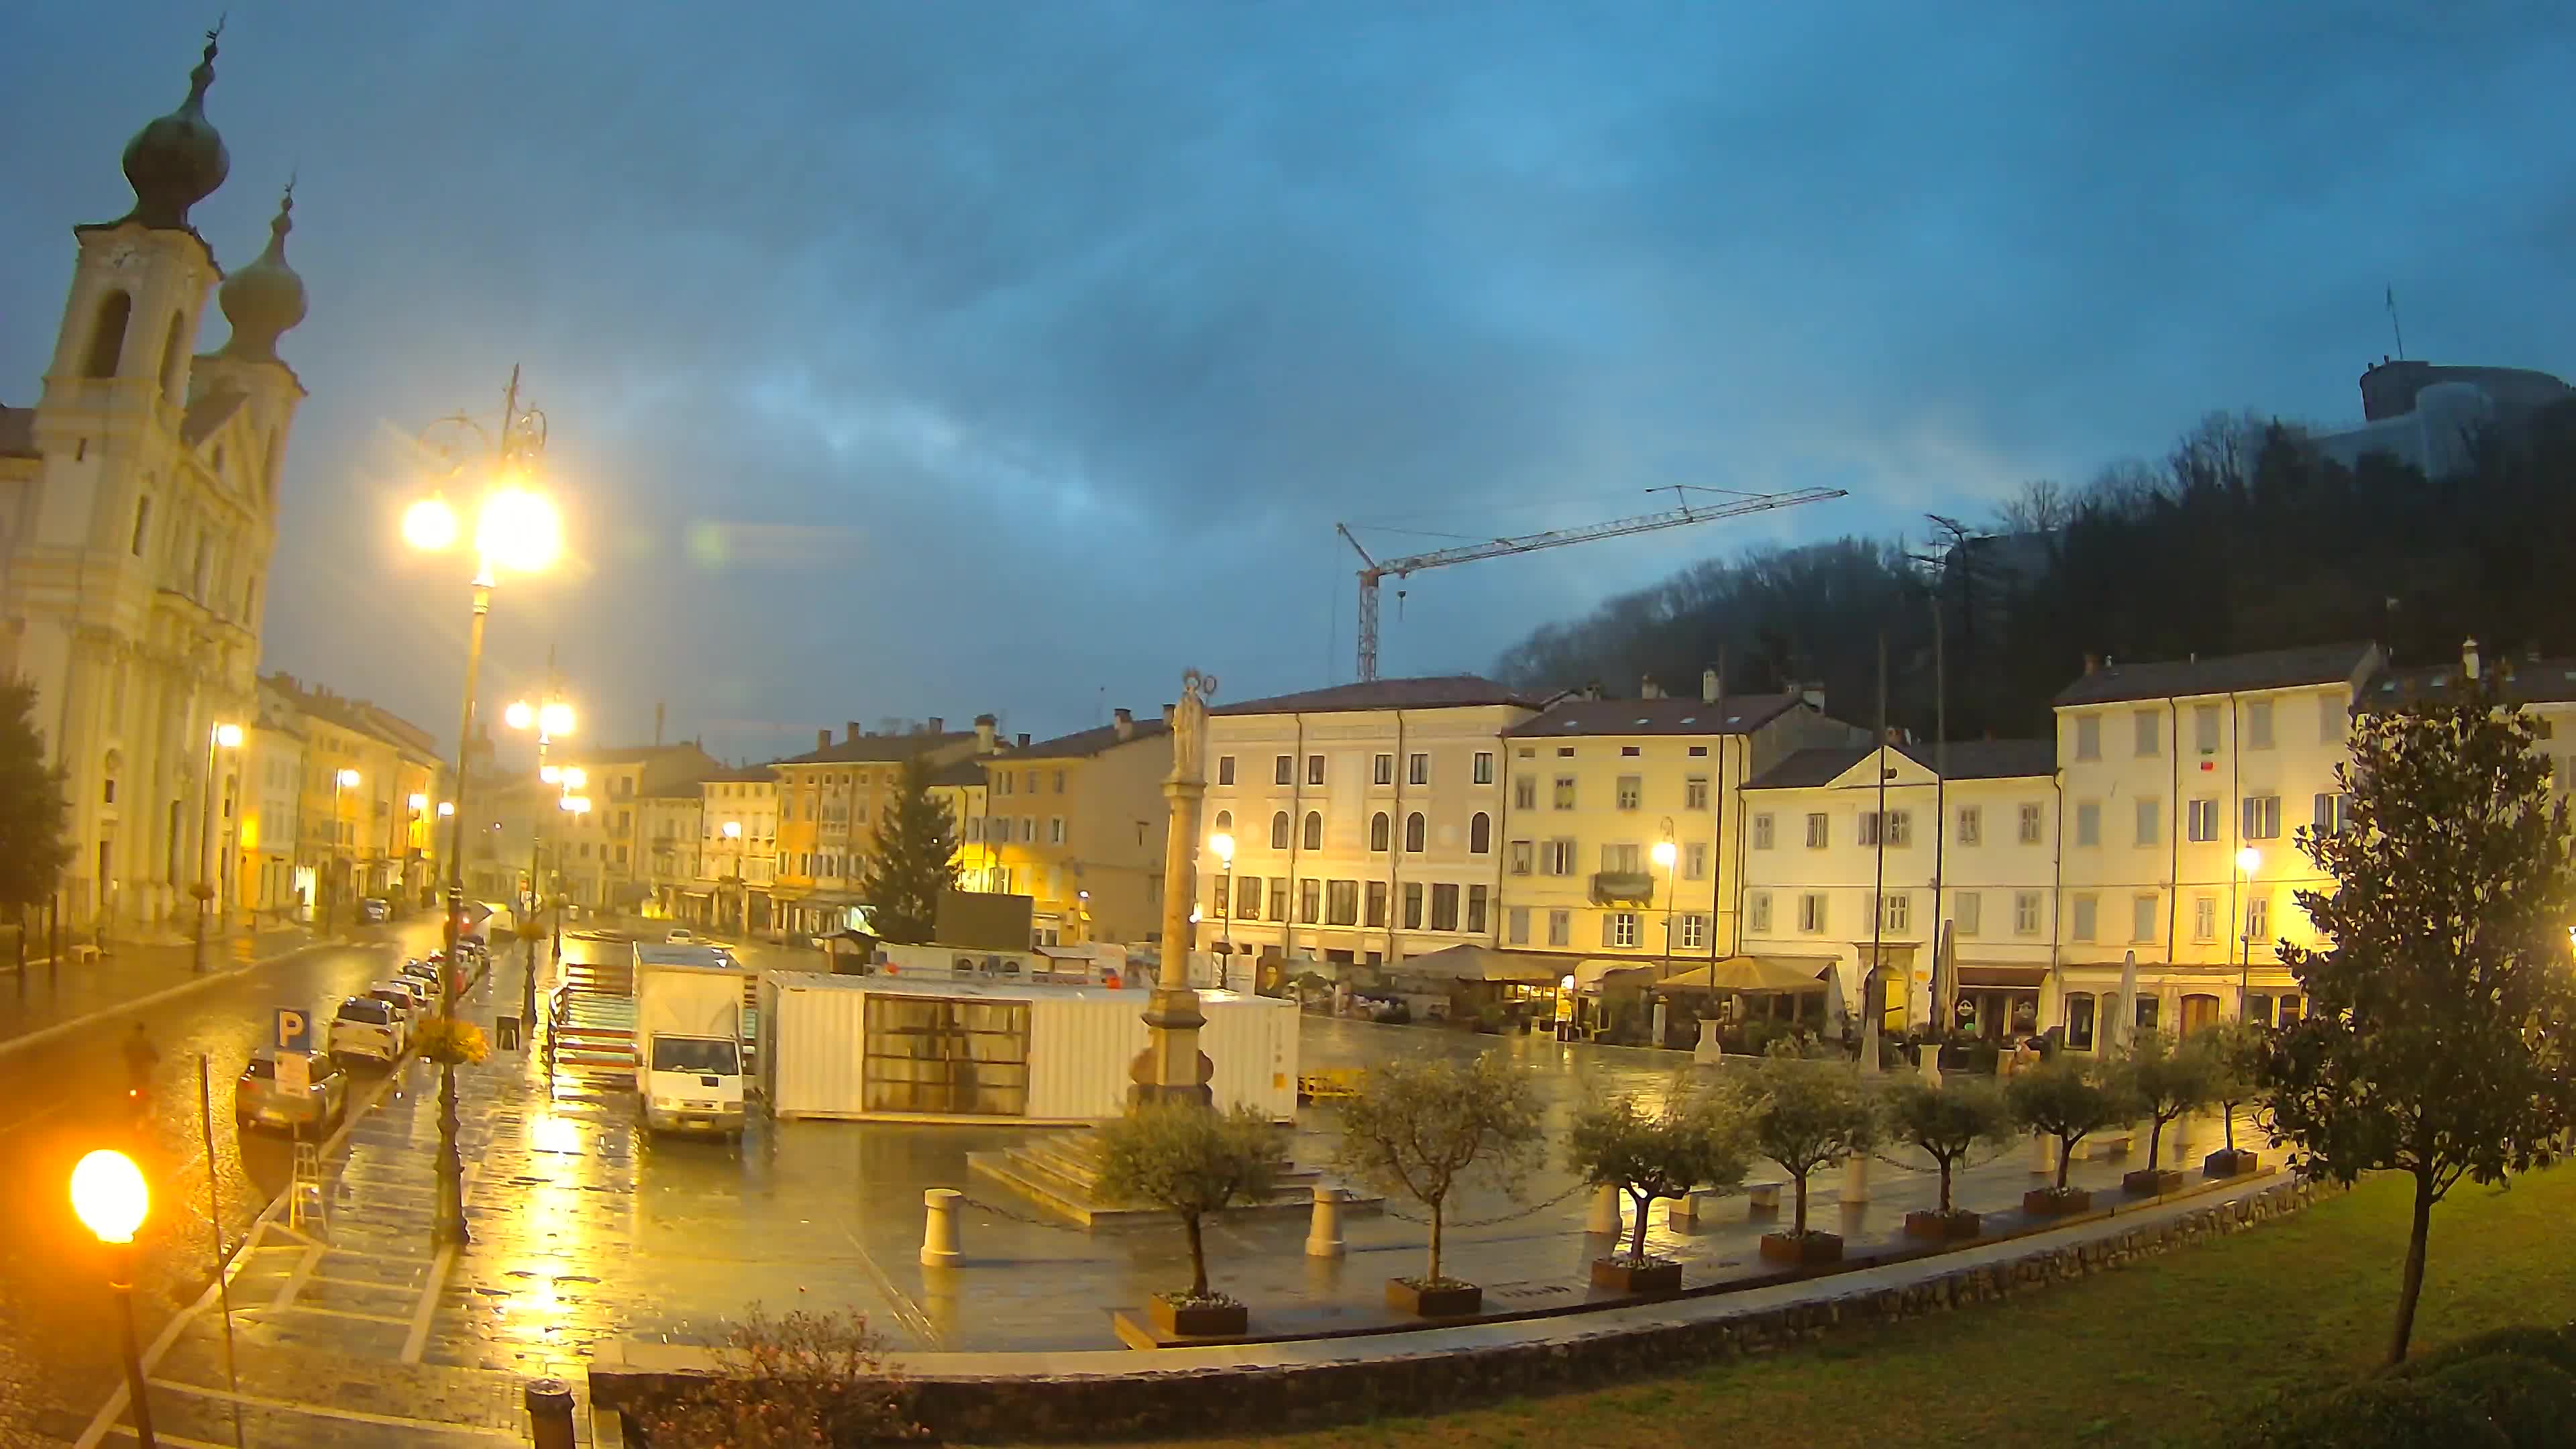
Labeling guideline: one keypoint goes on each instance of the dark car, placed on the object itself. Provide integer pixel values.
(258, 1103)
(375, 910)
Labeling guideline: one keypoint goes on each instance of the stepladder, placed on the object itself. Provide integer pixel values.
(307, 1203)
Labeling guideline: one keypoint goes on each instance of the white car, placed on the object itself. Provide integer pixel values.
(366, 1028)
(680, 936)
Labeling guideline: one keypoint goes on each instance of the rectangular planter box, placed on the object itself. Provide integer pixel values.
(1658, 1276)
(1803, 1249)
(1943, 1227)
(2044, 1202)
(2224, 1163)
(1458, 1300)
(1227, 1320)
(2151, 1181)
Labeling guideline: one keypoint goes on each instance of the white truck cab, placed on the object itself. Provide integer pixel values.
(688, 1039)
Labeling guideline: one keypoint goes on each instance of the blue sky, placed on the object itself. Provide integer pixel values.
(911, 360)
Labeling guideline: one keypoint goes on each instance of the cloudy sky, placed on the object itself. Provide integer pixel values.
(911, 359)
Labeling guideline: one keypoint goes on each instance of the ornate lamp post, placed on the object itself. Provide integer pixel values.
(549, 717)
(518, 530)
(1172, 1068)
(1223, 844)
(220, 737)
(2248, 861)
(110, 1198)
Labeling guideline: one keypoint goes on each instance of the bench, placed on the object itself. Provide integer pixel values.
(1764, 1196)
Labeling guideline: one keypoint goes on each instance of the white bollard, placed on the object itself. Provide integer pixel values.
(1855, 1179)
(1324, 1230)
(2043, 1156)
(1604, 1217)
(939, 1228)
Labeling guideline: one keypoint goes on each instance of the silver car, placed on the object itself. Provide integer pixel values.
(258, 1103)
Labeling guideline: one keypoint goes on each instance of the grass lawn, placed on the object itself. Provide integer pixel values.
(2159, 1353)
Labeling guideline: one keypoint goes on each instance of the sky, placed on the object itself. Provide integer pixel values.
(908, 360)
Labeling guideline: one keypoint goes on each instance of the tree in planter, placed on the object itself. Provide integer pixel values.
(2166, 1078)
(1191, 1161)
(2238, 1052)
(1808, 1114)
(805, 1379)
(34, 847)
(2069, 1100)
(1697, 1139)
(915, 860)
(1951, 1124)
(2437, 1042)
(1421, 1127)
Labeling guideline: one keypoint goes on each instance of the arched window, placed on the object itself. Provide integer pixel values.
(1379, 831)
(1225, 822)
(1413, 832)
(1279, 831)
(1480, 834)
(174, 361)
(107, 335)
(1314, 830)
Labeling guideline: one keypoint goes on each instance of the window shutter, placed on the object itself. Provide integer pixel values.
(1608, 936)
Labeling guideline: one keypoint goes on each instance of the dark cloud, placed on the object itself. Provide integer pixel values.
(915, 359)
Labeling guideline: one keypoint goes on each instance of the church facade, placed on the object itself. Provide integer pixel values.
(138, 512)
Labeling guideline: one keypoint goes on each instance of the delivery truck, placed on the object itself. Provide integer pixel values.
(688, 1039)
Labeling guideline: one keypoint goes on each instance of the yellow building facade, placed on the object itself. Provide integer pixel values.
(1077, 824)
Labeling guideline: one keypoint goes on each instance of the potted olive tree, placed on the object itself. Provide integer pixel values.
(1807, 1114)
(1421, 1128)
(2238, 1051)
(1192, 1161)
(2068, 1100)
(1962, 1120)
(1697, 1139)
(2166, 1078)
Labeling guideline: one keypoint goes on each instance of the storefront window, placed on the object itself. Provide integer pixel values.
(2146, 1013)
(2079, 1020)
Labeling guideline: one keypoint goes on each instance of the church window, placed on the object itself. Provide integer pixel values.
(107, 336)
(142, 522)
(174, 359)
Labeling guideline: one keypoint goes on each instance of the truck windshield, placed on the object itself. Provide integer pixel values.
(705, 1056)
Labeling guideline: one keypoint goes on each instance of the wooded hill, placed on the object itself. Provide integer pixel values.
(2241, 539)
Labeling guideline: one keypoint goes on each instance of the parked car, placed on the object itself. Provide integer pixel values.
(409, 1004)
(366, 1028)
(681, 936)
(258, 1103)
(375, 910)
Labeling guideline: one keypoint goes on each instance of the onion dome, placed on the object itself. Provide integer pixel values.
(266, 298)
(177, 161)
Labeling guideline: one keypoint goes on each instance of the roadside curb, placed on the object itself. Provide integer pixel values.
(44, 1034)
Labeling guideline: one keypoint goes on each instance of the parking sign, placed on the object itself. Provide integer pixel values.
(294, 1030)
(293, 1074)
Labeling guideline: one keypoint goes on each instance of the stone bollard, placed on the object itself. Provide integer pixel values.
(1324, 1230)
(2043, 1156)
(549, 1403)
(1856, 1179)
(939, 1228)
(1603, 1219)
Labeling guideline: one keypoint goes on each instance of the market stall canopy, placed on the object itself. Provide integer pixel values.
(1480, 963)
(1743, 974)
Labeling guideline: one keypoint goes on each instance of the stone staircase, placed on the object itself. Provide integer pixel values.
(1060, 1173)
(595, 1022)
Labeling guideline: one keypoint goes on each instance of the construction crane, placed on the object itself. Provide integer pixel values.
(1675, 517)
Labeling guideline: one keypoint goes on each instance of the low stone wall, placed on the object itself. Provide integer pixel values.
(1153, 1399)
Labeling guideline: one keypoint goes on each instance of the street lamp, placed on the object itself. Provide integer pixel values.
(517, 530)
(549, 717)
(110, 1198)
(2248, 860)
(346, 780)
(1223, 844)
(1664, 854)
(220, 737)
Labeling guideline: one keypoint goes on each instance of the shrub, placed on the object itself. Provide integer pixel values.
(1190, 1160)
(2549, 1345)
(452, 1041)
(1420, 1127)
(1699, 1137)
(2531, 1399)
(2166, 1078)
(2069, 1100)
(1950, 1124)
(2378, 1414)
(805, 1379)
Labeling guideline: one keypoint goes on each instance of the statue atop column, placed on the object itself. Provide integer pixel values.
(1172, 1068)
(1189, 727)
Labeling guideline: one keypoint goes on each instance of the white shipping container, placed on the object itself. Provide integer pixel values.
(1079, 1045)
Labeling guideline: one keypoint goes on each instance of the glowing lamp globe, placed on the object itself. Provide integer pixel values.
(1223, 845)
(518, 716)
(519, 531)
(2249, 860)
(109, 1195)
(229, 736)
(556, 718)
(348, 779)
(1663, 854)
(430, 525)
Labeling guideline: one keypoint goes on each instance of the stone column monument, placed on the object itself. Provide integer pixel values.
(1172, 1068)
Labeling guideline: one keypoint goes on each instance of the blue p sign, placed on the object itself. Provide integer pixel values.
(294, 1030)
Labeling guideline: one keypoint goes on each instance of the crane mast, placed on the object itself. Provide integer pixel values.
(1373, 570)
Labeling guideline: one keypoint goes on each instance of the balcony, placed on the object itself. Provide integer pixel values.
(1635, 887)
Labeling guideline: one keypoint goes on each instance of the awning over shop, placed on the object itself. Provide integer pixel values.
(1744, 975)
(2025, 978)
(1480, 963)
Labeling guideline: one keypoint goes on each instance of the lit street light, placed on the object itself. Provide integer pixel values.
(341, 783)
(2248, 861)
(1223, 844)
(1664, 854)
(110, 1198)
(221, 737)
(519, 531)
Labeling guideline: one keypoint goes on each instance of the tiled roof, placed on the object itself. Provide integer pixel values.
(752, 774)
(876, 749)
(1966, 759)
(2527, 681)
(1734, 715)
(2219, 674)
(17, 432)
(1083, 744)
(965, 772)
(625, 754)
(1432, 692)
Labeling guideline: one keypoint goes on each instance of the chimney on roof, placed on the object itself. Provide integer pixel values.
(2469, 658)
(1815, 698)
(1647, 688)
(1168, 711)
(2092, 663)
(1710, 691)
(1022, 739)
(849, 732)
(1125, 722)
(823, 738)
(985, 724)
(1592, 690)
(935, 725)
